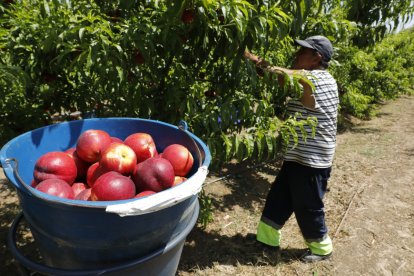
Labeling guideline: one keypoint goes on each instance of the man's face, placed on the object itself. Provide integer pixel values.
(307, 59)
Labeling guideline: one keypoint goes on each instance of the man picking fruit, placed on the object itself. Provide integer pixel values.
(300, 186)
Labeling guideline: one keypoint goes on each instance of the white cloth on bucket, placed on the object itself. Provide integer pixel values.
(161, 200)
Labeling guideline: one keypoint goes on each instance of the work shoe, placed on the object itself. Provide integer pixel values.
(309, 257)
(268, 247)
(252, 239)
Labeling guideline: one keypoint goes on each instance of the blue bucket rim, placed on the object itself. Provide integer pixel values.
(95, 204)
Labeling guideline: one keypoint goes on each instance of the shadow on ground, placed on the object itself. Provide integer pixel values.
(9, 208)
(365, 130)
(205, 249)
(246, 185)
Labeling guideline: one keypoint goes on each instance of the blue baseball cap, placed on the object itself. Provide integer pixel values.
(319, 43)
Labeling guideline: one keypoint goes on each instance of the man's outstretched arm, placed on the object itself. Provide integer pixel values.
(307, 99)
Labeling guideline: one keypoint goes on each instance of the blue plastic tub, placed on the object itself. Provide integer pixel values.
(163, 261)
(73, 234)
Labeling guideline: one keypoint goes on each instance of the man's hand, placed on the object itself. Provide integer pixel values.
(251, 57)
(256, 60)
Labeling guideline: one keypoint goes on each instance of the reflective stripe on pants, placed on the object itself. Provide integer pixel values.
(268, 235)
(323, 247)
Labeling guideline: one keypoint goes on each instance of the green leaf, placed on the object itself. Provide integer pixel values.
(46, 7)
(228, 146)
(89, 61)
(249, 143)
(119, 48)
(120, 73)
(235, 144)
(241, 149)
(269, 143)
(81, 32)
(259, 145)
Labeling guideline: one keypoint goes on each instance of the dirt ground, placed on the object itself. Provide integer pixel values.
(369, 210)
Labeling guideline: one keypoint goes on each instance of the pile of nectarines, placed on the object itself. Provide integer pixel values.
(105, 168)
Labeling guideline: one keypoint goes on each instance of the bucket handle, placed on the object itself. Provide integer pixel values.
(28, 188)
(9, 161)
(183, 126)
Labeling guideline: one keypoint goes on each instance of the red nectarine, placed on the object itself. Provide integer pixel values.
(180, 157)
(94, 171)
(55, 164)
(179, 180)
(145, 193)
(113, 186)
(154, 174)
(142, 144)
(56, 187)
(81, 165)
(84, 195)
(188, 16)
(91, 143)
(116, 139)
(118, 157)
(78, 187)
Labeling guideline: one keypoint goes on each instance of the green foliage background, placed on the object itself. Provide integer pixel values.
(143, 59)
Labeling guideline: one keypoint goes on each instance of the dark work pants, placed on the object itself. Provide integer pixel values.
(298, 189)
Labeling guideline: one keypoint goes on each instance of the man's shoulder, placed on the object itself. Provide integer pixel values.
(321, 72)
(319, 77)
